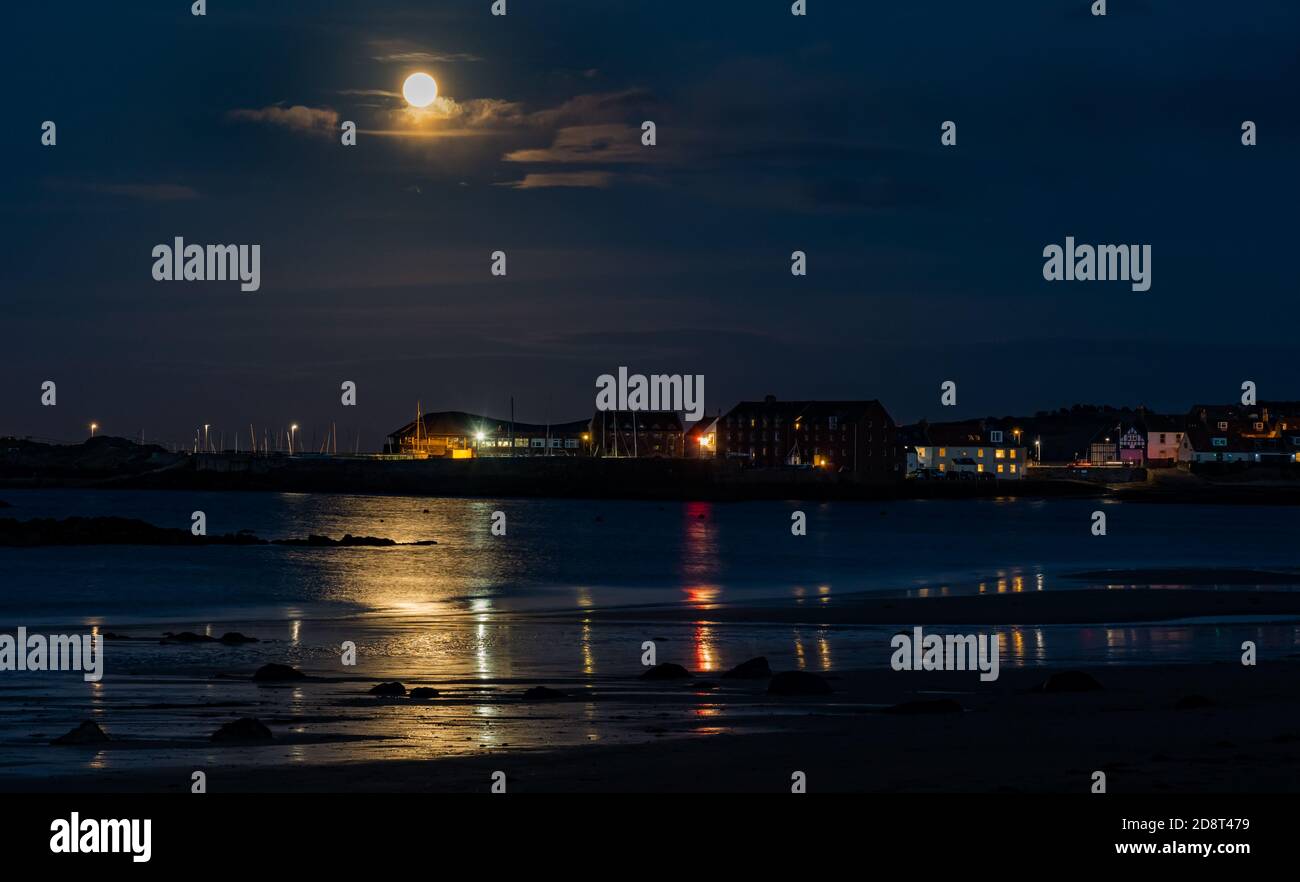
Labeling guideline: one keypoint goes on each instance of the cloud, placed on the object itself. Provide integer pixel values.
(596, 144)
(406, 52)
(312, 120)
(371, 93)
(148, 192)
(600, 180)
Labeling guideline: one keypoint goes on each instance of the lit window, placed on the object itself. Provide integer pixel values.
(1000, 454)
(1000, 467)
(980, 467)
(981, 455)
(1013, 468)
(943, 451)
(943, 467)
(1013, 456)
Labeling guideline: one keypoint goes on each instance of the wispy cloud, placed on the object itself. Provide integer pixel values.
(406, 52)
(148, 192)
(600, 180)
(597, 144)
(311, 120)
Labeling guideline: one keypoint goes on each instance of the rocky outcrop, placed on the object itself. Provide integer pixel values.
(754, 669)
(87, 733)
(666, 671)
(274, 673)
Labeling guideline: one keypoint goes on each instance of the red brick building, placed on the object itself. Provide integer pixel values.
(855, 438)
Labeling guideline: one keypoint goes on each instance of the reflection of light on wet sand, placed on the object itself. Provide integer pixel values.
(705, 659)
(702, 596)
(481, 656)
(295, 629)
(824, 593)
(699, 543)
(1039, 580)
(799, 661)
(824, 652)
(1018, 584)
(1017, 643)
(588, 660)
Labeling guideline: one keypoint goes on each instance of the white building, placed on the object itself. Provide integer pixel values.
(969, 449)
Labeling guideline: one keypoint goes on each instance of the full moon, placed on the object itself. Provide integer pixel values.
(419, 90)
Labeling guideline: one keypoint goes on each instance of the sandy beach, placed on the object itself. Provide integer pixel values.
(1245, 737)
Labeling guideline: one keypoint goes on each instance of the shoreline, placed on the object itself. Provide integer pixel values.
(1242, 734)
(1082, 606)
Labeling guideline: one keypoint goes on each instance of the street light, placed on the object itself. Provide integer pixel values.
(93, 427)
(292, 429)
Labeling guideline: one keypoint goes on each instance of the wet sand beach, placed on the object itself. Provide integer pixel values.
(1238, 730)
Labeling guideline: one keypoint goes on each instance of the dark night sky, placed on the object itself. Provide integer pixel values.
(776, 133)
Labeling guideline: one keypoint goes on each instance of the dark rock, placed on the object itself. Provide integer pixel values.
(348, 541)
(243, 729)
(543, 693)
(704, 684)
(934, 706)
(4, 504)
(1193, 702)
(87, 733)
(666, 671)
(274, 673)
(798, 683)
(186, 637)
(109, 635)
(424, 692)
(1068, 681)
(754, 669)
(388, 689)
(234, 638)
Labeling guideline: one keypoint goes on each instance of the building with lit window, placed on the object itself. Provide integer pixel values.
(457, 435)
(702, 439)
(1164, 437)
(1264, 434)
(977, 449)
(854, 438)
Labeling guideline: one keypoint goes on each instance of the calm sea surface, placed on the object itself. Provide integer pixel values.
(459, 614)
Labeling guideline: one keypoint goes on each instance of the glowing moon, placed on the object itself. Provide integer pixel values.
(419, 90)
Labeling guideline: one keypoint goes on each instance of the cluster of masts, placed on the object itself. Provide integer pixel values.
(281, 439)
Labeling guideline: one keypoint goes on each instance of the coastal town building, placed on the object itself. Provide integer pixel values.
(702, 439)
(986, 449)
(855, 438)
(1264, 434)
(1122, 444)
(1164, 437)
(458, 435)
